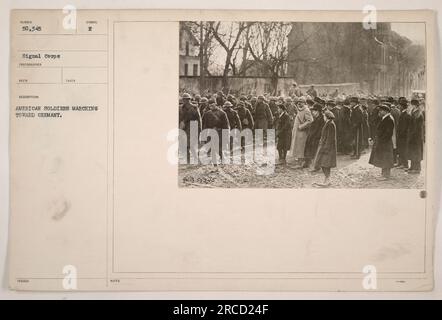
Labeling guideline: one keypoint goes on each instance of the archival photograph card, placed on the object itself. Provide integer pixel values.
(183, 150)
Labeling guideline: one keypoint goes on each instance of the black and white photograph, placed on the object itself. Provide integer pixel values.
(220, 152)
(286, 104)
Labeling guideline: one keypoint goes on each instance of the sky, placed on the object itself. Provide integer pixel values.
(413, 31)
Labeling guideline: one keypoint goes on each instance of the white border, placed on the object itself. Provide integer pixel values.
(6, 6)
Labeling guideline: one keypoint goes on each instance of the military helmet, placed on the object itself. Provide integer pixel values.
(329, 115)
(385, 107)
(186, 96)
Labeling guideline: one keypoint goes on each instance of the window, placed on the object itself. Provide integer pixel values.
(195, 69)
(267, 88)
(186, 69)
(187, 48)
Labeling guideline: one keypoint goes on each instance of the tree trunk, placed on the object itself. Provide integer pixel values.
(226, 71)
(274, 82)
(202, 72)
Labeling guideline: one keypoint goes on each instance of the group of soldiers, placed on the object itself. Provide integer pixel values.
(299, 121)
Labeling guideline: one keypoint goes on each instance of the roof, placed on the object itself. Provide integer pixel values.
(186, 28)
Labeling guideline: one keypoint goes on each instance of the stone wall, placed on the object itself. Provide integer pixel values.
(258, 85)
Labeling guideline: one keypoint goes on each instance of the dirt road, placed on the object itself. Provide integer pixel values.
(349, 174)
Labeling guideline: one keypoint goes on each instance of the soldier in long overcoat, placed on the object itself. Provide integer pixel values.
(247, 122)
(326, 154)
(382, 152)
(314, 135)
(263, 115)
(402, 133)
(345, 131)
(245, 116)
(284, 133)
(415, 139)
(189, 117)
(303, 120)
(235, 123)
(356, 120)
(216, 119)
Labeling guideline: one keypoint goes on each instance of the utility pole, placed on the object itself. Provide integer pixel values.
(202, 71)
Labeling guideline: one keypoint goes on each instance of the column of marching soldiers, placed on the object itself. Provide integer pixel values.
(312, 130)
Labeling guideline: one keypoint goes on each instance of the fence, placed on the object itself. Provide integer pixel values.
(258, 85)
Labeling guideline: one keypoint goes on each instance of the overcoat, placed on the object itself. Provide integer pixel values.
(303, 120)
(234, 121)
(345, 131)
(215, 119)
(326, 154)
(382, 153)
(263, 116)
(187, 115)
(313, 137)
(357, 119)
(245, 117)
(402, 134)
(415, 141)
(284, 132)
(365, 129)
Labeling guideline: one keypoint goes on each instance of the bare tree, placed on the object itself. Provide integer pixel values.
(267, 44)
(228, 35)
(207, 45)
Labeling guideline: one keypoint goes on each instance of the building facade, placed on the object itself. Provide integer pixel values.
(189, 52)
(380, 60)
